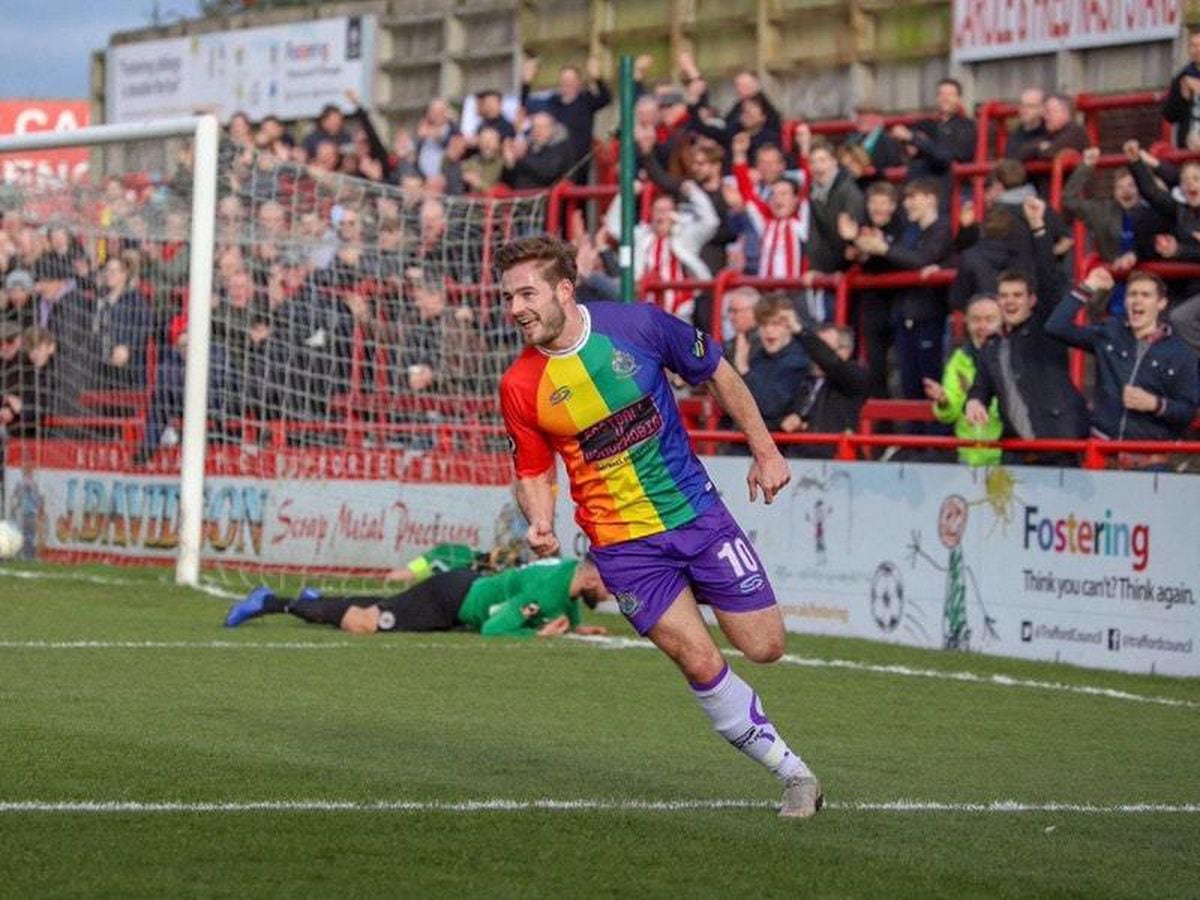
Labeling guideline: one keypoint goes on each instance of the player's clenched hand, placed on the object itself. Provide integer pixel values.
(555, 627)
(771, 474)
(541, 539)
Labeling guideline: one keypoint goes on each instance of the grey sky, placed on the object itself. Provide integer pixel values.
(48, 44)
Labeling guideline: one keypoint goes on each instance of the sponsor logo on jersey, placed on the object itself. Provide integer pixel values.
(624, 429)
(562, 395)
(701, 346)
(628, 603)
(623, 364)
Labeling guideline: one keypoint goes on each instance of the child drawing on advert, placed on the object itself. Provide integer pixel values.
(818, 517)
(29, 510)
(952, 526)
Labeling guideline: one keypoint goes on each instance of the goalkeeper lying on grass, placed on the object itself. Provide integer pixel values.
(540, 599)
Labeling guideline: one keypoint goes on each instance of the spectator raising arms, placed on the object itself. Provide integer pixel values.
(752, 115)
(1146, 377)
(539, 160)
(1122, 225)
(1182, 104)
(574, 105)
(830, 401)
(781, 223)
(668, 246)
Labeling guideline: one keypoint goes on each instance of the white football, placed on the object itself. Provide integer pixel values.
(11, 540)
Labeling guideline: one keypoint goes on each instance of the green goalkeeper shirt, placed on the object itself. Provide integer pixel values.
(442, 558)
(493, 604)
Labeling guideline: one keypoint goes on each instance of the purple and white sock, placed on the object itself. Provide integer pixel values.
(737, 715)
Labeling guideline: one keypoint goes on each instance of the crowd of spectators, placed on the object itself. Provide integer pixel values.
(791, 205)
(347, 267)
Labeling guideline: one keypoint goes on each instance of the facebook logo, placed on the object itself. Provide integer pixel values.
(1114, 639)
(1026, 631)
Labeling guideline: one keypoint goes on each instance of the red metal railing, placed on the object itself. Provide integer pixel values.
(1094, 452)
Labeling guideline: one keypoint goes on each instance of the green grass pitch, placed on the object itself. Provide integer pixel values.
(168, 707)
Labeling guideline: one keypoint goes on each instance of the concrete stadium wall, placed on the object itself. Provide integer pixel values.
(819, 58)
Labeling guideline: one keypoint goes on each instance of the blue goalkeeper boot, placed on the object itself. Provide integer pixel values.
(249, 608)
(308, 594)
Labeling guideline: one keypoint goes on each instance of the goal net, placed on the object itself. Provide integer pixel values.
(356, 344)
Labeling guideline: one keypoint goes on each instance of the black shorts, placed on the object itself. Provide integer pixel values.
(432, 605)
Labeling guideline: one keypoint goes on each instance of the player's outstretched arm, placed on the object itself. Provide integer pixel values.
(769, 471)
(535, 495)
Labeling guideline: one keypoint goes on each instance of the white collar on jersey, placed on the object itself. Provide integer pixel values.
(583, 337)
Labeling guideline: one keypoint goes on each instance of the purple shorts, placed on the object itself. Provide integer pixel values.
(710, 554)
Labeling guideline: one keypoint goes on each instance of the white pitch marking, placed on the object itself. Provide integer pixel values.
(998, 680)
(589, 805)
(619, 643)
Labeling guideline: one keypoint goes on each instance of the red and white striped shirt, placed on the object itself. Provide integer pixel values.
(665, 266)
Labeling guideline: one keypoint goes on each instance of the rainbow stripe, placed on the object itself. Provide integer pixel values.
(609, 411)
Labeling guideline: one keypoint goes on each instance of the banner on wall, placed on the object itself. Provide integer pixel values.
(37, 167)
(999, 29)
(332, 525)
(1093, 568)
(290, 71)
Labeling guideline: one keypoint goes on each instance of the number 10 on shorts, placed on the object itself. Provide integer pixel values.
(739, 557)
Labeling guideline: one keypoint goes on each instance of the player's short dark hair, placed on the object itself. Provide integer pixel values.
(756, 100)
(772, 305)
(997, 224)
(1064, 100)
(882, 189)
(1009, 173)
(770, 147)
(922, 186)
(789, 181)
(980, 298)
(957, 85)
(821, 143)
(1011, 276)
(1142, 275)
(35, 336)
(557, 255)
(487, 92)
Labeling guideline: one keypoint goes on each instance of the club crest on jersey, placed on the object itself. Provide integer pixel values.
(628, 603)
(623, 364)
(562, 395)
(701, 346)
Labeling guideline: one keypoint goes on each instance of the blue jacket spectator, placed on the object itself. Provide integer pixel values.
(1147, 378)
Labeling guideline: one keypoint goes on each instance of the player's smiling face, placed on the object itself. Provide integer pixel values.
(533, 302)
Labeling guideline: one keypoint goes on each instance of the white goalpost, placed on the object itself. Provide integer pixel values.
(259, 369)
(204, 133)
